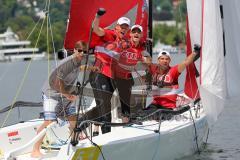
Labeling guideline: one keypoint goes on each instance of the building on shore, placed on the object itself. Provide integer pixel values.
(13, 49)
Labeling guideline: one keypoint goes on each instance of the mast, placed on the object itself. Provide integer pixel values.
(150, 20)
(149, 45)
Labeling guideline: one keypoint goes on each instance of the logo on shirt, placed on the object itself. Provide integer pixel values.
(129, 55)
(167, 78)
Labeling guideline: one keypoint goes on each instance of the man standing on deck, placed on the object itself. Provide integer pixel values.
(60, 92)
(105, 55)
(115, 56)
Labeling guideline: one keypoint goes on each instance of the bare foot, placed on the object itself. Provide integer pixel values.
(36, 154)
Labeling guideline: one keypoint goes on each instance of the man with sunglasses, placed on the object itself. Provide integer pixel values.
(60, 92)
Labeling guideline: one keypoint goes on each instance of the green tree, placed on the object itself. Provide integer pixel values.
(180, 12)
(170, 35)
(162, 10)
(7, 10)
(22, 20)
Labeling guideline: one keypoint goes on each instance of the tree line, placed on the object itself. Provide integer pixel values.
(22, 18)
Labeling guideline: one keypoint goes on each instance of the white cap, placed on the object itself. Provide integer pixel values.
(164, 53)
(123, 20)
(137, 26)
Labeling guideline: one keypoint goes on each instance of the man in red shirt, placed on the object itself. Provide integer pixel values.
(129, 57)
(107, 46)
(114, 55)
(165, 79)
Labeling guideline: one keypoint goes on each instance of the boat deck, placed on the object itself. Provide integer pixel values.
(47, 155)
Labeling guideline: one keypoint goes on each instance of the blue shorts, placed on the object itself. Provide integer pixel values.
(60, 108)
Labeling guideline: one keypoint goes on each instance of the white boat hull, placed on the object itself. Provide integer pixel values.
(19, 139)
(177, 139)
(17, 135)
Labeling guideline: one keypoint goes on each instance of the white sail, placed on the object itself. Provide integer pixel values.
(207, 20)
(194, 10)
(231, 21)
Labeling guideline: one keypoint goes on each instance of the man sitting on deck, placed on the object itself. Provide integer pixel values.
(165, 79)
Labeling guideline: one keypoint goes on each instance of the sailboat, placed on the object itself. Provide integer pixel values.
(150, 139)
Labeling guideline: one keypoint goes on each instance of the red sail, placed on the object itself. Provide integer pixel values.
(82, 13)
(142, 16)
(191, 87)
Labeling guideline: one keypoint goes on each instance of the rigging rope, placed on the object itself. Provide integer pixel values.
(195, 132)
(141, 82)
(24, 77)
(21, 103)
(181, 19)
(74, 140)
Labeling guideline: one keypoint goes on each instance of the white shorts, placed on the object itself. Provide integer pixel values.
(61, 108)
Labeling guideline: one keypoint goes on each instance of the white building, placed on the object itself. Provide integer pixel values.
(12, 49)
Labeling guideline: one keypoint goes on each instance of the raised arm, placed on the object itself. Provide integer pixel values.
(190, 58)
(96, 29)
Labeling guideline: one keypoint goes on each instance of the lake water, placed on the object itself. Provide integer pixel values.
(24, 80)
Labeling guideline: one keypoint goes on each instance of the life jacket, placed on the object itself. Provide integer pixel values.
(165, 87)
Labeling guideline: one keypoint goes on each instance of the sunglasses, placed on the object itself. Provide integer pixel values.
(136, 31)
(81, 51)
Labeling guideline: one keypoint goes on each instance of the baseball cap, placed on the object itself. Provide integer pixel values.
(165, 53)
(137, 26)
(123, 20)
